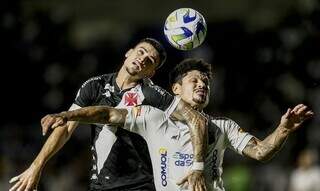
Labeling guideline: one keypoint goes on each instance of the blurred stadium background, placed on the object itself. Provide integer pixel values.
(265, 55)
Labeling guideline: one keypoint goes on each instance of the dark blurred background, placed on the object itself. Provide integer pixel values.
(265, 55)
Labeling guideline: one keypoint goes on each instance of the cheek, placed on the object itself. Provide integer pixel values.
(187, 91)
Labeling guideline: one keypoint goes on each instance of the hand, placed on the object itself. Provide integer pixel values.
(52, 121)
(293, 118)
(195, 181)
(27, 181)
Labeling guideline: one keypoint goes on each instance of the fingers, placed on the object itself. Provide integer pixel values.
(59, 121)
(302, 110)
(16, 186)
(46, 122)
(30, 186)
(22, 186)
(191, 186)
(200, 186)
(51, 121)
(309, 113)
(296, 108)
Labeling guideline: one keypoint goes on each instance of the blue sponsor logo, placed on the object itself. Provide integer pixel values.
(183, 159)
(163, 165)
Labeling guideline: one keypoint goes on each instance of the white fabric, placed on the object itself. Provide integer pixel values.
(305, 179)
(171, 149)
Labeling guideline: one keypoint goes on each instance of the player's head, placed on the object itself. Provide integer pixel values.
(143, 60)
(190, 80)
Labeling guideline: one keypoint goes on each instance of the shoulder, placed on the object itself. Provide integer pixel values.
(101, 79)
(149, 87)
(223, 123)
(220, 120)
(149, 111)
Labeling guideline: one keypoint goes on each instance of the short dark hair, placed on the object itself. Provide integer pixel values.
(186, 66)
(158, 46)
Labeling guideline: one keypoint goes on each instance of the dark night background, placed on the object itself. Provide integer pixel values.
(265, 56)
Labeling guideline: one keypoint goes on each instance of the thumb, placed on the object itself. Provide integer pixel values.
(183, 180)
(14, 179)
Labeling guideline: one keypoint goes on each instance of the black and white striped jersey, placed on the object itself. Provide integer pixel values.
(120, 159)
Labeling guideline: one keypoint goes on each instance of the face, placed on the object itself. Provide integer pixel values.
(194, 89)
(142, 60)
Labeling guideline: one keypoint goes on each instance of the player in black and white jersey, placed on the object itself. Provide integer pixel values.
(169, 140)
(120, 158)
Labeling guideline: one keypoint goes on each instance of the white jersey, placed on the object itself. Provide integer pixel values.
(170, 146)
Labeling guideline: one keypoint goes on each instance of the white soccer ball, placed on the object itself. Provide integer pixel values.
(185, 28)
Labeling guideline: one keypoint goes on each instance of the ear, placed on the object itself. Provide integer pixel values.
(176, 88)
(128, 53)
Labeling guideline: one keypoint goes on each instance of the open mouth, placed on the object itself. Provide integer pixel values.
(201, 92)
(137, 64)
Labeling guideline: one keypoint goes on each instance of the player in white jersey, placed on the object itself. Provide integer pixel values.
(169, 140)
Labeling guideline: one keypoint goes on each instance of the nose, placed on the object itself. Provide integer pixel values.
(201, 84)
(142, 57)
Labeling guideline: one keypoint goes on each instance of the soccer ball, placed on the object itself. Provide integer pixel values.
(185, 29)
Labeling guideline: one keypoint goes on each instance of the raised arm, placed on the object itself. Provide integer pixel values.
(266, 149)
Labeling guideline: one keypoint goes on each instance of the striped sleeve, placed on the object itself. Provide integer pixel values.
(236, 137)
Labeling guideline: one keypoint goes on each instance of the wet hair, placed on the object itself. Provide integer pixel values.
(158, 46)
(188, 65)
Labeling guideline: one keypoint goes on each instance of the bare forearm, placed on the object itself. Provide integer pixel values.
(274, 142)
(266, 149)
(54, 143)
(96, 114)
(198, 130)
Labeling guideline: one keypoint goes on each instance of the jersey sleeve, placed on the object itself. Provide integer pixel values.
(87, 93)
(237, 139)
(157, 97)
(145, 120)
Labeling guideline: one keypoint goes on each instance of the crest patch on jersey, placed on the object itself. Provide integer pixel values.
(131, 99)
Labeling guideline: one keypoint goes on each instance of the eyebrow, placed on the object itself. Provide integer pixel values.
(154, 59)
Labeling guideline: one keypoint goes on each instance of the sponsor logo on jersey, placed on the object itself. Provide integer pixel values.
(163, 166)
(159, 89)
(108, 89)
(183, 159)
(215, 166)
(131, 99)
(91, 79)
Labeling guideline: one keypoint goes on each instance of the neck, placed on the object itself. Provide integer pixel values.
(124, 80)
(197, 108)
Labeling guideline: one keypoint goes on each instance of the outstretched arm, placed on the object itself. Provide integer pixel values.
(91, 114)
(266, 149)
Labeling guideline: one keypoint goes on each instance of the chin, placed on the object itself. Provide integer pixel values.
(131, 72)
